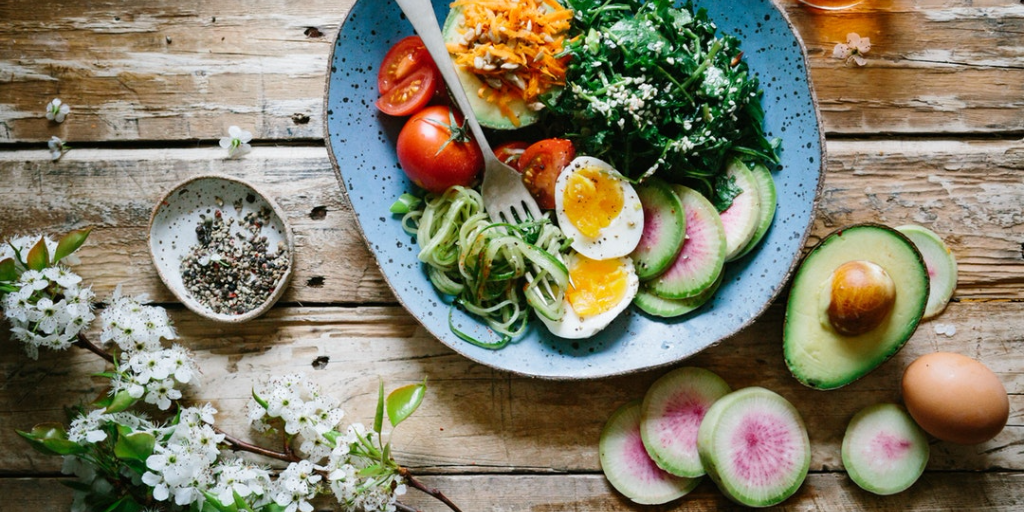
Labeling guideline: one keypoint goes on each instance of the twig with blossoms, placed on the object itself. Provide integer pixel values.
(126, 462)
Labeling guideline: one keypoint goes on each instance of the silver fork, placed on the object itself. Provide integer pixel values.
(506, 199)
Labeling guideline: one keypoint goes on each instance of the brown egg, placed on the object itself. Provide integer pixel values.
(955, 398)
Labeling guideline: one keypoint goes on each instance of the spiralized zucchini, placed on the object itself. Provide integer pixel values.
(492, 269)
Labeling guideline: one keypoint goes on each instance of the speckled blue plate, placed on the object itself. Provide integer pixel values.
(361, 142)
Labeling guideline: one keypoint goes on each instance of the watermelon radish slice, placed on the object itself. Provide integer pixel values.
(766, 213)
(703, 255)
(941, 265)
(754, 445)
(654, 305)
(884, 451)
(628, 467)
(742, 218)
(670, 416)
(664, 229)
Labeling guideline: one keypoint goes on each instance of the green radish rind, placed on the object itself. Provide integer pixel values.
(941, 265)
(670, 417)
(702, 257)
(654, 305)
(769, 203)
(884, 450)
(728, 433)
(742, 218)
(817, 355)
(664, 229)
(627, 466)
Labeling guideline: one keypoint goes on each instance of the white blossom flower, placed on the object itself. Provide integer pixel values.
(239, 477)
(133, 326)
(88, 428)
(62, 275)
(162, 393)
(57, 148)
(352, 490)
(237, 141)
(301, 406)
(57, 110)
(853, 49)
(297, 485)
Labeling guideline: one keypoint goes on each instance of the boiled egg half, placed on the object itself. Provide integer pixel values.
(598, 209)
(599, 290)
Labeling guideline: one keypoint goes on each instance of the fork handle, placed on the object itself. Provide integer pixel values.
(424, 21)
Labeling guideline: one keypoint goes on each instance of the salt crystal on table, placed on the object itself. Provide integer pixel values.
(947, 329)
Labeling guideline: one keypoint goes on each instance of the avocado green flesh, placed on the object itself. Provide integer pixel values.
(816, 354)
(488, 114)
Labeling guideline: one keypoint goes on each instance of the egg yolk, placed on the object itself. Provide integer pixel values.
(592, 200)
(595, 286)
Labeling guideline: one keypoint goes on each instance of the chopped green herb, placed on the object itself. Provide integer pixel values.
(652, 88)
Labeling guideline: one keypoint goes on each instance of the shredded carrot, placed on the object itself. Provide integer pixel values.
(512, 46)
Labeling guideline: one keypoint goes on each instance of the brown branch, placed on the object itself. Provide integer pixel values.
(401, 507)
(84, 342)
(239, 445)
(436, 494)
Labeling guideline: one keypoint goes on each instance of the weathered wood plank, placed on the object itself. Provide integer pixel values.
(186, 70)
(481, 420)
(967, 191)
(990, 492)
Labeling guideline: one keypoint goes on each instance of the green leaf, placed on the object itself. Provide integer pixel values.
(70, 243)
(378, 418)
(51, 439)
(263, 403)
(38, 255)
(332, 436)
(404, 401)
(371, 470)
(8, 270)
(386, 456)
(272, 507)
(133, 445)
(211, 499)
(120, 402)
(241, 503)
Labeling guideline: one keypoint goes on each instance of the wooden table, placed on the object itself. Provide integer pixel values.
(929, 132)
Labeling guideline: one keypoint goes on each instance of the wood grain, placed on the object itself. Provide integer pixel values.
(186, 70)
(967, 191)
(832, 492)
(477, 419)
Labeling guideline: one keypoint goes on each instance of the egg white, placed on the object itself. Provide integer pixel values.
(617, 239)
(572, 326)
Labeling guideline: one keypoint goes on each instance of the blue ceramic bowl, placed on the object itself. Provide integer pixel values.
(361, 142)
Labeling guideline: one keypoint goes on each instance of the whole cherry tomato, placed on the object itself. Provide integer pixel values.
(435, 151)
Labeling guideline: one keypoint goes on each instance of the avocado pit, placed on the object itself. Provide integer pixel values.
(861, 296)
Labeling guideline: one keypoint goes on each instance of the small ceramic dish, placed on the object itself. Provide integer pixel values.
(228, 214)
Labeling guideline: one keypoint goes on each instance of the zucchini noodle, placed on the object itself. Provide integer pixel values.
(494, 270)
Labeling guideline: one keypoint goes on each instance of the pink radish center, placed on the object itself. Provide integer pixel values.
(890, 445)
(763, 449)
(682, 417)
(652, 225)
(640, 464)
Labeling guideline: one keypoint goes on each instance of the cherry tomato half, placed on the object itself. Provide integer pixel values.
(509, 152)
(402, 59)
(432, 156)
(411, 94)
(541, 164)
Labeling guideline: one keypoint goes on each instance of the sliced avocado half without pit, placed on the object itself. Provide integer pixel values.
(856, 299)
(488, 114)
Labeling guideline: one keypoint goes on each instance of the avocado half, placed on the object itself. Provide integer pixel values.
(487, 114)
(815, 352)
